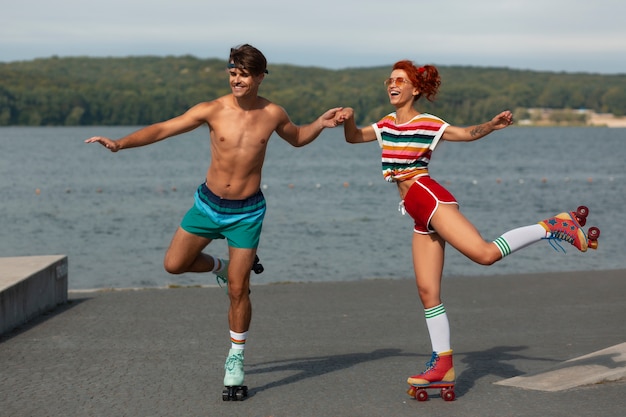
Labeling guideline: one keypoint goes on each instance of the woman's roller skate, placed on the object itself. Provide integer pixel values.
(568, 227)
(439, 374)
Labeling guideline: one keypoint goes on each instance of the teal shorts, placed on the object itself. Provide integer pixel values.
(238, 221)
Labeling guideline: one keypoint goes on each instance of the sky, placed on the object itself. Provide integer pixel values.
(542, 35)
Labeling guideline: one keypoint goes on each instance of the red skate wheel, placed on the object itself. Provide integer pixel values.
(581, 220)
(421, 395)
(448, 394)
(593, 233)
(581, 214)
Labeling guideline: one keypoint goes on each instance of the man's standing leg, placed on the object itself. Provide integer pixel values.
(239, 314)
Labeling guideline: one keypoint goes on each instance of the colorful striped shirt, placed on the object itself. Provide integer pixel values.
(407, 147)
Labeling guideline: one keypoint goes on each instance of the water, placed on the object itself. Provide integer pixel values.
(331, 216)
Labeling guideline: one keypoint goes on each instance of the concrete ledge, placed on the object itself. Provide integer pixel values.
(30, 286)
(601, 366)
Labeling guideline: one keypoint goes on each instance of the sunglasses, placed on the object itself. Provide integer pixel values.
(399, 81)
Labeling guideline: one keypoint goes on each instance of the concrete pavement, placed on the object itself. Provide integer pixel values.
(322, 349)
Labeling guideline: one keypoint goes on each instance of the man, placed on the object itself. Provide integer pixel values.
(230, 203)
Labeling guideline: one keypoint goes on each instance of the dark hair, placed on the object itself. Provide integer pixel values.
(425, 78)
(248, 58)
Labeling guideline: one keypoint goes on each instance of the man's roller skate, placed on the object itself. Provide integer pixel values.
(439, 374)
(568, 227)
(222, 276)
(234, 390)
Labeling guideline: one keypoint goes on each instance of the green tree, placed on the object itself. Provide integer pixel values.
(614, 101)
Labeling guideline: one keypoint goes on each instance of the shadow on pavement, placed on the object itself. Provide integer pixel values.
(490, 362)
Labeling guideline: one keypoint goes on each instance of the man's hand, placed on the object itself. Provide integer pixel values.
(112, 145)
(329, 119)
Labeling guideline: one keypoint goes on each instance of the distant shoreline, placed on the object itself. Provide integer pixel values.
(568, 117)
(606, 119)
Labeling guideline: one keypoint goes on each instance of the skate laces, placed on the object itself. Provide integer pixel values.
(432, 362)
(222, 277)
(220, 280)
(555, 242)
(233, 361)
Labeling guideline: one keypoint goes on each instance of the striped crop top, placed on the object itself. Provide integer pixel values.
(407, 147)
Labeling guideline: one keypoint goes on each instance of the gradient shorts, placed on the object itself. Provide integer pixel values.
(238, 221)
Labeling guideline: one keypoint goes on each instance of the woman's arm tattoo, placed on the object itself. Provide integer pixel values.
(479, 130)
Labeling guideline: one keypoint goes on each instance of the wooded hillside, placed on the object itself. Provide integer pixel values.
(143, 90)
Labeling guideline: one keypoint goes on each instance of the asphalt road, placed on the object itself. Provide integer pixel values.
(316, 349)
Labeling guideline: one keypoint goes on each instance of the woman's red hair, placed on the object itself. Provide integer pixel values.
(425, 78)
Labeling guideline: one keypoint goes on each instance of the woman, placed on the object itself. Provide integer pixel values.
(408, 138)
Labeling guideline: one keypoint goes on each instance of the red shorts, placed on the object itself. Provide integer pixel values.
(423, 199)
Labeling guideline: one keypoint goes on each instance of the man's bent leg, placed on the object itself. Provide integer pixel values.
(185, 254)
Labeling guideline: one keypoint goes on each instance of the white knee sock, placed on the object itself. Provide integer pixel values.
(519, 238)
(438, 328)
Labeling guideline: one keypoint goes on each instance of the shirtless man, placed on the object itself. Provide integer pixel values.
(230, 203)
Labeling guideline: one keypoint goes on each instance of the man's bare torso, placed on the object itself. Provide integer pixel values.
(239, 139)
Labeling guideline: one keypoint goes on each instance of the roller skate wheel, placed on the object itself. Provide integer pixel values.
(235, 393)
(421, 395)
(257, 267)
(593, 233)
(581, 215)
(448, 394)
